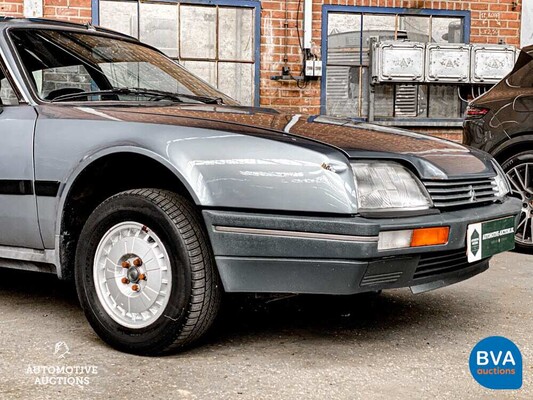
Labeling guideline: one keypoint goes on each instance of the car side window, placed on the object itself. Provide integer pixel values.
(7, 94)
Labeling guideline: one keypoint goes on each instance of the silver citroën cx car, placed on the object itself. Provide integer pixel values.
(157, 193)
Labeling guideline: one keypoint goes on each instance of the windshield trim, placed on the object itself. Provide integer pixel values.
(28, 81)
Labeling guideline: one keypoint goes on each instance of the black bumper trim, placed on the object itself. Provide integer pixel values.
(445, 279)
(251, 245)
(340, 277)
(249, 262)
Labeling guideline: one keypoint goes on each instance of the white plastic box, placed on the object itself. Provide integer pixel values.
(398, 62)
(447, 63)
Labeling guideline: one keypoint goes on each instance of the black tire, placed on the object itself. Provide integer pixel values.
(524, 242)
(195, 292)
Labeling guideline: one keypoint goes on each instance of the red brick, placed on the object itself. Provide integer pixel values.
(481, 6)
(499, 7)
(510, 16)
(80, 3)
(57, 3)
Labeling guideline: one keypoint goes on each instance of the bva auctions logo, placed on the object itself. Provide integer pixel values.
(496, 363)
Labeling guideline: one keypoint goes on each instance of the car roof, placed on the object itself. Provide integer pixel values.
(6, 22)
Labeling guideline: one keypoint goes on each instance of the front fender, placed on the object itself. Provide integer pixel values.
(249, 172)
(75, 172)
(219, 169)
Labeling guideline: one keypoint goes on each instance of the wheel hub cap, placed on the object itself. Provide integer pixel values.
(132, 275)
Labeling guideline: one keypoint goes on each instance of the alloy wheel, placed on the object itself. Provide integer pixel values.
(132, 275)
(521, 179)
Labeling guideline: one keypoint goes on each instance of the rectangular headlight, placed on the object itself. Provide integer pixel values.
(388, 186)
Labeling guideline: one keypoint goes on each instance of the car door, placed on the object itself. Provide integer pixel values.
(18, 209)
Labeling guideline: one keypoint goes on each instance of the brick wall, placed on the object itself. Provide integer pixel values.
(11, 8)
(71, 10)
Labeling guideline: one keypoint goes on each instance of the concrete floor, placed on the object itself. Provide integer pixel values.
(393, 346)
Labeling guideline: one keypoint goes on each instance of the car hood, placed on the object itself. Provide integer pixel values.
(434, 158)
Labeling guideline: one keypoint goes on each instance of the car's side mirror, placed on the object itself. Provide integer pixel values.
(523, 103)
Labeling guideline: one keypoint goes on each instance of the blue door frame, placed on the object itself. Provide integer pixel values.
(465, 15)
(255, 4)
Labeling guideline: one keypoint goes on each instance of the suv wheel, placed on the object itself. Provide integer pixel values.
(519, 170)
(145, 274)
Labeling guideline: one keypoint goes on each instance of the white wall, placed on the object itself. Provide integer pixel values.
(33, 8)
(526, 31)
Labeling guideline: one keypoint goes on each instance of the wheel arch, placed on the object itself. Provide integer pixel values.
(78, 200)
(517, 144)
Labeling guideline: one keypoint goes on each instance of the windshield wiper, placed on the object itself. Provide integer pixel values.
(202, 99)
(155, 94)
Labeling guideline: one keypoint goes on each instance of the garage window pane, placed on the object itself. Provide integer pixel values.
(344, 35)
(208, 39)
(384, 101)
(416, 29)
(340, 23)
(382, 26)
(235, 34)
(204, 69)
(444, 101)
(344, 61)
(120, 16)
(236, 80)
(410, 101)
(198, 32)
(342, 91)
(159, 26)
(447, 30)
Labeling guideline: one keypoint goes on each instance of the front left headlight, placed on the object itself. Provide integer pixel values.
(503, 186)
(388, 186)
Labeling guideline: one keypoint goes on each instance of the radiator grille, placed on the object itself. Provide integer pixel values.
(461, 193)
(440, 263)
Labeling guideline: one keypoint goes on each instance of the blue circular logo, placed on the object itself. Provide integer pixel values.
(496, 363)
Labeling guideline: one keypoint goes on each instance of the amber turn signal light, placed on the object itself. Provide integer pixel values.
(430, 236)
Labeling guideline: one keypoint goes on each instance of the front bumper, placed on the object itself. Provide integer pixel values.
(294, 254)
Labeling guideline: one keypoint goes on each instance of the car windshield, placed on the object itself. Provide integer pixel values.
(72, 66)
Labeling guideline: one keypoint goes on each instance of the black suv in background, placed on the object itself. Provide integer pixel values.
(501, 122)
